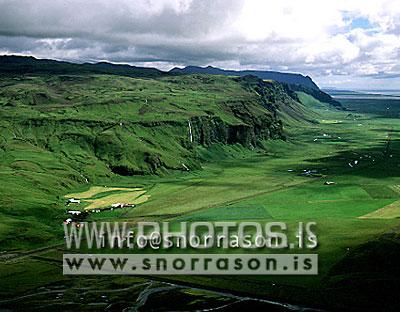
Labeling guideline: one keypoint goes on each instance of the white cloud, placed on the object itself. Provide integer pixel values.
(316, 37)
(286, 19)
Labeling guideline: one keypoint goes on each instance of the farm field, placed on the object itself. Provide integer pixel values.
(95, 190)
(391, 211)
(98, 197)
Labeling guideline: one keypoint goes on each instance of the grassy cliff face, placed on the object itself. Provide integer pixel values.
(60, 131)
(141, 124)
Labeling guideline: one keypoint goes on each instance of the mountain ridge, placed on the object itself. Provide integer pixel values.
(290, 78)
(12, 64)
(22, 65)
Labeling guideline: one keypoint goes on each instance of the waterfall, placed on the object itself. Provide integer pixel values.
(190, 132)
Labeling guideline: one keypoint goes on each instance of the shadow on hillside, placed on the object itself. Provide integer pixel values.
(215, 184)
(387, 130)
(369, 271)
(379, 161)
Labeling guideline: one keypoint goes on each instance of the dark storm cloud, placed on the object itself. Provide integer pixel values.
(113, 19)
(119, 30)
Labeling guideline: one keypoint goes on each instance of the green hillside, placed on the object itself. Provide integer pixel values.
(61, 131)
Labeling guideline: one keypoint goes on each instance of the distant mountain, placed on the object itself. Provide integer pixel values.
(289, 78)
(30, 65)
(335, 91)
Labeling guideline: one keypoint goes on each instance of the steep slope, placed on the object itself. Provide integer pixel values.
(135, 125)
(286, 103)
(293, 82)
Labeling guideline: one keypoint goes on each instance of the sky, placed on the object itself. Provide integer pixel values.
(346, 44)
